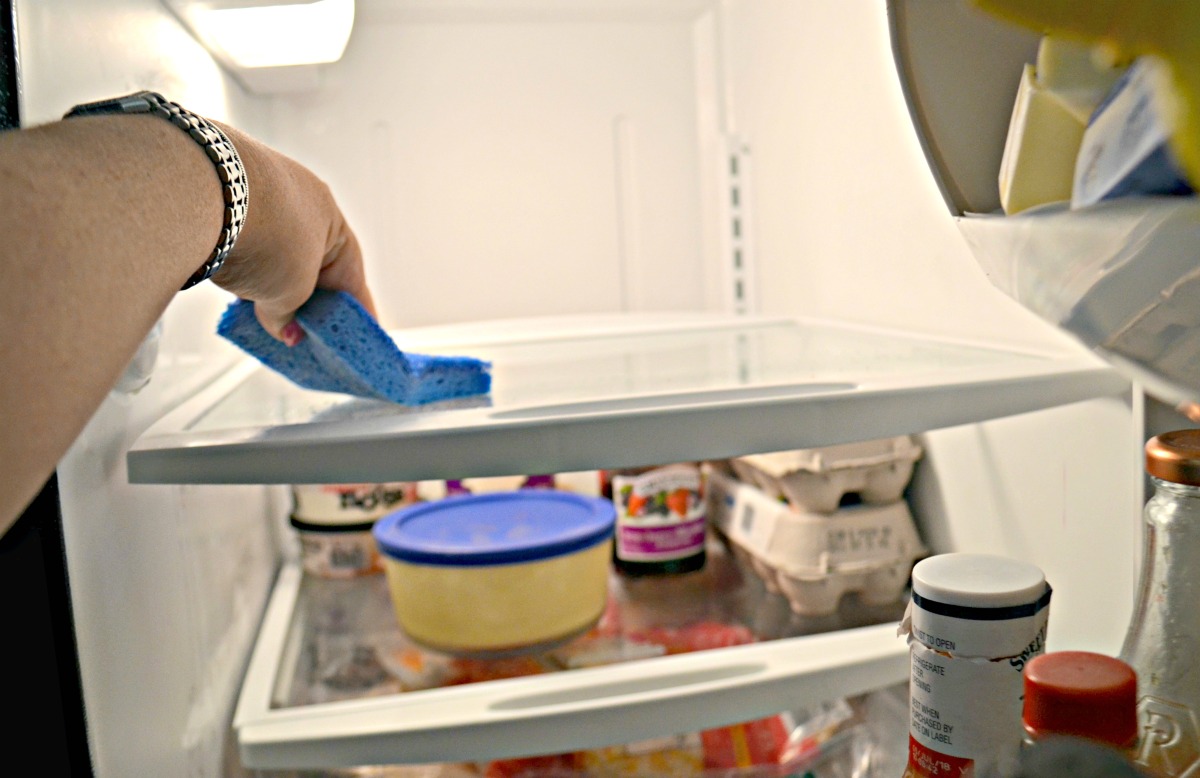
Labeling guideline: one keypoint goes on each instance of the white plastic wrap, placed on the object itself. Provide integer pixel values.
(1122, 276)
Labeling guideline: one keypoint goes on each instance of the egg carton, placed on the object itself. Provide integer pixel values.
(811, 558)
(816, 479)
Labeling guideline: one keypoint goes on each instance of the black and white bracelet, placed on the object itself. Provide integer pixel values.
(218, 147)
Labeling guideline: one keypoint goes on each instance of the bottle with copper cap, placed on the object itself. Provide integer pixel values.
(1162, 643)
(1081, 694)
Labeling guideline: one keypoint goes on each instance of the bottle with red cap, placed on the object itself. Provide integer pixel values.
(1081, 694)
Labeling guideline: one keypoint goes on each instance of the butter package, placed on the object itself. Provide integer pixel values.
(1126, 147)
(1055, 99)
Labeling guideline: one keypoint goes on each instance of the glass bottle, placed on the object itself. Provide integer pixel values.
(661, 524)
(1163, 640)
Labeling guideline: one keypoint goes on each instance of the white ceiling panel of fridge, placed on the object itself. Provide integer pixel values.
(607, 391)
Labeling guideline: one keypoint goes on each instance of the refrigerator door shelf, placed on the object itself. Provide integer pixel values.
(1121, 276)
(550, 713)
(597, 392)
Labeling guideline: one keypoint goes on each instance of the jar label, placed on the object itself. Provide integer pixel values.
(339, 502)
(660, 514)
(340, 555)
(990, 633)
(928, 763)
(949, 719)
(965, 708)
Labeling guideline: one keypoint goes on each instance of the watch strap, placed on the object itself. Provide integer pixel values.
(217, 146)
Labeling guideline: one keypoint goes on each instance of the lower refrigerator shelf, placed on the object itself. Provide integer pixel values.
(333, 682)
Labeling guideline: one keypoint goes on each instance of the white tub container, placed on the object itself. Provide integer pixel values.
(333, 524)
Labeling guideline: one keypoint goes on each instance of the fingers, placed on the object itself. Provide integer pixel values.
(277, 317)
(343, 269)
(295, 240)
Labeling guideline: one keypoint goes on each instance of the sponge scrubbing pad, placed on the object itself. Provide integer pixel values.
(346, 351)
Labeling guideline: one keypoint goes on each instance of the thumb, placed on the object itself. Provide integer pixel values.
(280, 323)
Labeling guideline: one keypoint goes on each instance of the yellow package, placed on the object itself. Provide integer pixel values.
(680, 756)
(1127, 29)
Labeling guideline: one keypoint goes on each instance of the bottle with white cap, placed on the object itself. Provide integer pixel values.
(975, 620)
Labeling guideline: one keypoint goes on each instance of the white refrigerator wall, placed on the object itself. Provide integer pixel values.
(510, 159)
(848, 219)
(500, 159)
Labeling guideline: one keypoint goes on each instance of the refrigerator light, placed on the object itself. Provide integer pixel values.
(249, 34)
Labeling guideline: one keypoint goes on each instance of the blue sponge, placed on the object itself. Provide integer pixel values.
(347, 351)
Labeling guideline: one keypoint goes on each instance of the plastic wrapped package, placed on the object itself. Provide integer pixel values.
(382, 771)
(862, 737)
(1120, 276)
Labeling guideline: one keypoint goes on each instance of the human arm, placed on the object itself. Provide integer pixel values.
(102, 219)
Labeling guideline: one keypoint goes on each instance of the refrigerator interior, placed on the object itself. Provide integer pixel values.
(515, 159)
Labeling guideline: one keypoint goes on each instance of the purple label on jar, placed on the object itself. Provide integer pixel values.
(660, 542)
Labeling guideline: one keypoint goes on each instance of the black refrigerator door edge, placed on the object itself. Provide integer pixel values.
(46, 724)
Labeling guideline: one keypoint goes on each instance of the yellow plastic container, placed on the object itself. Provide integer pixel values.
(500, 573)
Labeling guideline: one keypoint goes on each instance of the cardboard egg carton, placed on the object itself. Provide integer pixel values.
(816, 479)
(812, 558)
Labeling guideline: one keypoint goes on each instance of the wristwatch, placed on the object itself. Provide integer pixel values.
(216, 145)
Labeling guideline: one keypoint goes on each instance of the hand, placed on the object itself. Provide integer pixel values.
(294, 240)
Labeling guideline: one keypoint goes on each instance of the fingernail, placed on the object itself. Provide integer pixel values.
(292, 333)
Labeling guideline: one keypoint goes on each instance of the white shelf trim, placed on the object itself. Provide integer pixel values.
(557, 712)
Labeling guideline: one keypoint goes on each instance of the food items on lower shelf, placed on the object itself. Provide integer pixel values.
(348, 633)
(501, 573)
(333, 525)
(834, 738)
(661, 524)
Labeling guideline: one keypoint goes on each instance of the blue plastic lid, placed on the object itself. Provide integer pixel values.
(495, 529)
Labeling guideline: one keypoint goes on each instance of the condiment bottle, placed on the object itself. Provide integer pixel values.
(1081, 694)
(1162, 643)
(973, 623)
(661, 523)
